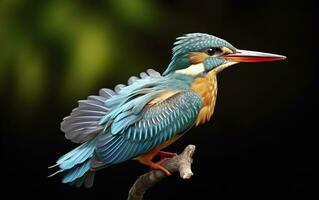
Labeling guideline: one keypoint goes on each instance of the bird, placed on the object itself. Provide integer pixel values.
(138, 120)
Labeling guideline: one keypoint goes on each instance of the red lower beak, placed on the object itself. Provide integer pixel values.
(252, 56)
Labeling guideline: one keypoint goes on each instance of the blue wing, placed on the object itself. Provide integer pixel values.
(84, 124)
(132, 134)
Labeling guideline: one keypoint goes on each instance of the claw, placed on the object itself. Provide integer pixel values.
(157, 166)
(165, 154)
(160, 162)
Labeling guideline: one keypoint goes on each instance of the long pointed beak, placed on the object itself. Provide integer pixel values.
(252, 56)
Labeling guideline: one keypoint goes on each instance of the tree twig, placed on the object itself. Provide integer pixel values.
(180, 163)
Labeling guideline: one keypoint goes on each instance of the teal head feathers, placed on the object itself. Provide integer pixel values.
(195, 54)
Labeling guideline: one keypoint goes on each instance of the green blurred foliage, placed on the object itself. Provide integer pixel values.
(140, 13)
(29, 73)
(66, 45)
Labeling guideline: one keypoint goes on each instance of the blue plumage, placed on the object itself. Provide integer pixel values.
(77, 155)
(122, 126)
(117, 125)
(193, 42)
(76, 172)
(151, 112)
(154, 126)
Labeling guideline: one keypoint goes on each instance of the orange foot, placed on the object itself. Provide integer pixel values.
(165, 154)
(157, 166)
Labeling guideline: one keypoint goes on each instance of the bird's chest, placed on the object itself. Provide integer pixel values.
(206, 87)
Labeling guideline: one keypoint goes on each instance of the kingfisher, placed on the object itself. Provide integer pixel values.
(138, 120)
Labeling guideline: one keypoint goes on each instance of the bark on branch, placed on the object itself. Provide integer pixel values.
(180, 163)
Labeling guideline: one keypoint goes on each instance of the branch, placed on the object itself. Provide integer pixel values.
(180, 163)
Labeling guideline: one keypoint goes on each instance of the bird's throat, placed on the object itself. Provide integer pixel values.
(192, 70)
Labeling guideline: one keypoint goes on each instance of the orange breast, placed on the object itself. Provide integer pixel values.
(206, 87)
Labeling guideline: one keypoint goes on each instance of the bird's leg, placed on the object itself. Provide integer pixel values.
(165, 154)
(147, 159)
(157, 166)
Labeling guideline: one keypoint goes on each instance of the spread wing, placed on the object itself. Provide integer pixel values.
(83, 122)
(132, 134)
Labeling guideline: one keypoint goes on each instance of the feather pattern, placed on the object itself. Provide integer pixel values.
(176, 114)
(77, 155)
(134, 97)
(119, 125)
(76, 172)
(193, 42)
(82, 124)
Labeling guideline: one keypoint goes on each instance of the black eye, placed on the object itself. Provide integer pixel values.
(213, 51)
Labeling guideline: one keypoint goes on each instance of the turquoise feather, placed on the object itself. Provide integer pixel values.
(76, 172)
(193, 42)
(164, 120)
(77, 156)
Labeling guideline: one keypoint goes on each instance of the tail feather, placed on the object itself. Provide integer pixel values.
(55, 173)
(75, 165)
(77, 155)
(76, 172)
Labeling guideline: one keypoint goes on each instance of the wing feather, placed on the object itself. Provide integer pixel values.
(90, 117)
(157, 124)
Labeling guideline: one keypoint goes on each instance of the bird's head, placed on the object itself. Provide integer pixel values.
(196, 54)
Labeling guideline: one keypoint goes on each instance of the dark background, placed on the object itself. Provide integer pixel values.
(263, 135)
